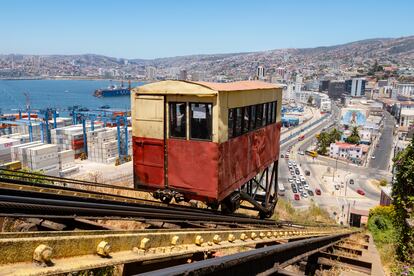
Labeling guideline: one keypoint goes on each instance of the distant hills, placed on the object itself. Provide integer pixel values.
(392, 51)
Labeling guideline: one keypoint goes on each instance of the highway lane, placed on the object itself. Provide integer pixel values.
(284, 173)
(383, 151)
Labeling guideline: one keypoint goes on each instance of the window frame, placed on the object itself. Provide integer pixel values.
(170, 113)
(259, 115)
(191, 118)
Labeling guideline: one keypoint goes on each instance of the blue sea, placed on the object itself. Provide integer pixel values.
(58, 94)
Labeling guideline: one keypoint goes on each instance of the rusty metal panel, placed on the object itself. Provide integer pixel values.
(193, 166)
(148, 162)
(243, 157)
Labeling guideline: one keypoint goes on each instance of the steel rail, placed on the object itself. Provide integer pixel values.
(32, 204)
(61, 252)
(29, 175)
(265, 260)
(150, 207)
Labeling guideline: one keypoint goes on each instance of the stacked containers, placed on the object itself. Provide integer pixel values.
(67, 162)
(16, 153)
(43, 158)
(71, 137)
(129, 140)
(22, 154)
(103, 145)
(5, 149)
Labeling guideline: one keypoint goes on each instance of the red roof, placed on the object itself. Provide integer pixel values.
(346, 145)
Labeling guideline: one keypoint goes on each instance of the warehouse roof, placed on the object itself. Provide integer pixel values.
(173, 87)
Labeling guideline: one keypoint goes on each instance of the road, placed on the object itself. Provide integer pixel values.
(331, 199)
(383, 151)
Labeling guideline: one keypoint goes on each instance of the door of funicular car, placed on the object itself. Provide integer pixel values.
(149, 139)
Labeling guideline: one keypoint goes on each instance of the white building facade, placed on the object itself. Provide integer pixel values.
(343, 150)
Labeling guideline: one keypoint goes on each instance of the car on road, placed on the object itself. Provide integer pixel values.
(318, 191)
(301, 152)
(351, 181)
(287, 155)
(373, 157)
(310, 192)
(296, 196)
(361, 192)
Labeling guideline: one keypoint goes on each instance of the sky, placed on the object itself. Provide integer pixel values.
(155, 28)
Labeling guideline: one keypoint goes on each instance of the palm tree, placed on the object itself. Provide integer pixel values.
(323, 143)
(355, 131)
(354, 138)
(335, 135)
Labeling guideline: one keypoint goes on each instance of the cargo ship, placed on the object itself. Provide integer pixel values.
(113, 91)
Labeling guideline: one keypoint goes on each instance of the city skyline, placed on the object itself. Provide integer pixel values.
(145, 30)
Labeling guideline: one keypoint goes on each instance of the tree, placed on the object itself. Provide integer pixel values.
(324, 141)
(403, 200)
(310, 100)
(335, 135)
(354, 138)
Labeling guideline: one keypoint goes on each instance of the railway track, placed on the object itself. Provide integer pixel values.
(22, 197)
(185, 234)
(49, 253)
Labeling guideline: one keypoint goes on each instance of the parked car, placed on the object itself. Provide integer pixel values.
(294, 189)
(307, 172)
(361, 192)
(373, 157)
(304, 194)
(297, 171)
(310, 192)
(337, 187)
(296, 197)
(351, 181)
(290, 180)
(318, 191)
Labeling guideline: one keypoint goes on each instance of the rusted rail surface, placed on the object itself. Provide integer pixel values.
(44, 253)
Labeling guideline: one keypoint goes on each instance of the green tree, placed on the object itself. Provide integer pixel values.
(324, 141)
(403, 200)
(335, 135)
(354, 138)
(310, 100)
